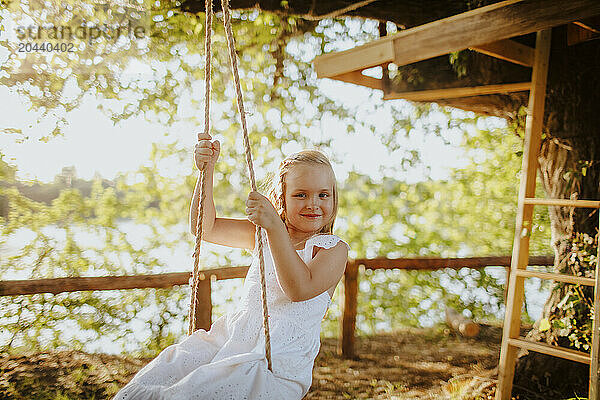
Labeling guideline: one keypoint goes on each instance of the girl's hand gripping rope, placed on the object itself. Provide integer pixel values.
(261, 212)
(206, 151)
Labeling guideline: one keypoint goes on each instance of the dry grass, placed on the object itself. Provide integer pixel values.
(409, 364)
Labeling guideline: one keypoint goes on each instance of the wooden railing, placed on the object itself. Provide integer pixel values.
(76, 284)
(204, 312)
(350, 304)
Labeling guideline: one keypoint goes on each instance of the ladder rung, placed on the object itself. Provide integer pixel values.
(562, 202)
(576, 280)
(550, 350)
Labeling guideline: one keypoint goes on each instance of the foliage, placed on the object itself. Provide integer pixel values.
(158, 74)
(124, 226)
(146, 197)
(55, 248)
(573, 315)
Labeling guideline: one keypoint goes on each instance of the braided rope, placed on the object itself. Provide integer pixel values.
(240, 103)
(207, 72)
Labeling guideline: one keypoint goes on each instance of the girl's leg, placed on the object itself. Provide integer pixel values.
(174, 363)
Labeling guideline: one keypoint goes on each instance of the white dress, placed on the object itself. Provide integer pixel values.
(228, 361)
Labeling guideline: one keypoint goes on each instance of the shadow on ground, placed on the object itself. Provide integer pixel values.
(408, 364)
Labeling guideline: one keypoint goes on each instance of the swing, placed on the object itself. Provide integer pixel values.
(258, 236)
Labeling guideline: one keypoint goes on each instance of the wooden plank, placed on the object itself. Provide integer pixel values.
(550, 350)
(508, 50)
(350, 306)
(577, 34)
(591, 24)
(487, 24)
(533, 134)
(358, 78)
(575, 280)
(227, 272)
(370, 55)
(203, 305)
(563, 202)
(433, 263)
(473, 28)
(453, 93)
(75, 284)
(594, 386)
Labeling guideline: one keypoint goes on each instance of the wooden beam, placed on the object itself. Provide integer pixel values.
(562, 202)
(471, 29)
(370, 55)
(358, 78)
(554, 351)
(579, 31)
(591, 24)
(453, 93)
(75, 284)
(488, 24)
(508, 50)
(572, 279)
(433, 263)
(350, 287)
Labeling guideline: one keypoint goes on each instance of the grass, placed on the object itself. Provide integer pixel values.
(410, 364)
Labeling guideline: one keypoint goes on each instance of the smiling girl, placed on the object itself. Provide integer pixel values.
(304, 262)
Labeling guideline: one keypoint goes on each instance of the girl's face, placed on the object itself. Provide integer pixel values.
(308, 197)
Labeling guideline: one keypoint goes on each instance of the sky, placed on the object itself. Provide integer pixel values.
(93, 144)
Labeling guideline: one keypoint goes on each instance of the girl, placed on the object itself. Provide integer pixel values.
(303, 264)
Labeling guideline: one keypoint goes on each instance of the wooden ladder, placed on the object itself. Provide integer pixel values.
(511, 339)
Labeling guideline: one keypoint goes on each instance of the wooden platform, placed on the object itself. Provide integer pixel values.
(487, 30)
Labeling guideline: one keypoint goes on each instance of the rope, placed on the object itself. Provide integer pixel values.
(207, 72)
(337, 13)
(258, 236)
(240, 102)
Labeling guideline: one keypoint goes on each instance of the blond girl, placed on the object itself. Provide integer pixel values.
(304, 262)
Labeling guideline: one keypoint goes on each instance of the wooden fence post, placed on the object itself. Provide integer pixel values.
(348, 322)
(203, 303)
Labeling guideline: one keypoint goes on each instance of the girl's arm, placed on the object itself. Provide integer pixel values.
(232, 232)
(302, 281)
(298, 280)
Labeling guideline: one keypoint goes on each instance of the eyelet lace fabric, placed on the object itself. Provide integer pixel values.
(228, 361)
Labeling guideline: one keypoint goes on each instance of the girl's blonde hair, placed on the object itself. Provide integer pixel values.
(277, 186)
